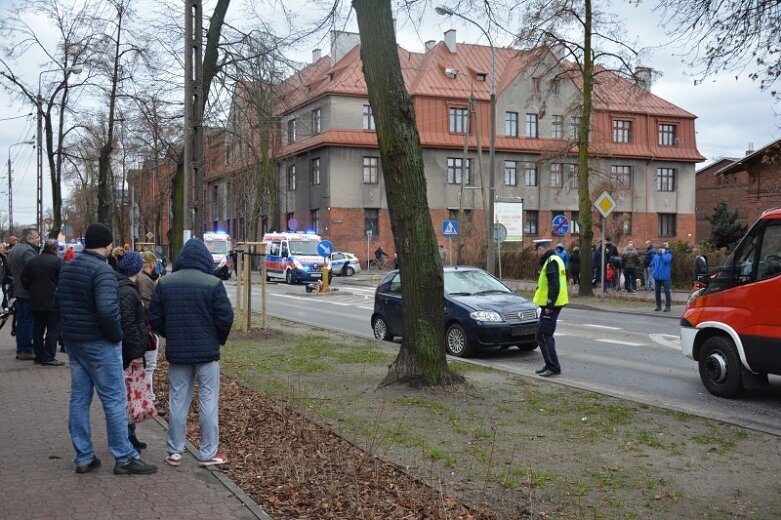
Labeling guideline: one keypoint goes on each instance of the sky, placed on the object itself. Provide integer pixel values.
(733, 115)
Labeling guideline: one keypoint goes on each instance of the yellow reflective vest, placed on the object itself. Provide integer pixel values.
(541, 294)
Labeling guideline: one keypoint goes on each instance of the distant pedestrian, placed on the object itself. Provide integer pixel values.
(5, 279)
(190, 308)
(25, 250)
(661, 267)
(630, 258)
(40, 278)
(379, 256)
(648, 257)
(574, 265)
(146, 282)
(87, 297)
(562, 254)
(443, 255)
(551, 295)
(69, 254)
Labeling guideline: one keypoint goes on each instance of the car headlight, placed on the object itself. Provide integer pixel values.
(490, 316)
(539, 312)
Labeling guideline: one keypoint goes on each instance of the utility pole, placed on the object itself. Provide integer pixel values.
(39, 164)
(10, 198)
(193, 119)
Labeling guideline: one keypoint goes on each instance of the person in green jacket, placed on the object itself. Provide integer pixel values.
(551, 295)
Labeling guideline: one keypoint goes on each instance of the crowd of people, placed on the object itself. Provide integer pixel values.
(108, 307)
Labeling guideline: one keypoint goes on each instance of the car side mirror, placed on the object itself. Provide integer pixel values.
(701, 274)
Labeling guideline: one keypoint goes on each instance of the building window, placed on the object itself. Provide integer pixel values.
(510, 170)
(555, 86)
(574, 126)
(621, 131)
(371, 170)
(368, 118)
(666, 135)
(556, 175)
(574, 222)
(371, 221)
(666, 224)
(291, 131)
(536, 84)
(531, 126)
(215, 194)
(458, 120)
(511, 124)
(557, 127)
(315, 171)
(291, 177)
(316, 121)
(622, 222)
(665, 179)
(574, 177)
(455, 166)
(452, 214)
(314, 217)
(621, 176)
(530, 174)
(530, 222)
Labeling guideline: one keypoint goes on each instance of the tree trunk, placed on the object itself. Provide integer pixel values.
(584, 195)
(421, 359)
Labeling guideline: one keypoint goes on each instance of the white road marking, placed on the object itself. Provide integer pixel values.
(601, 326)
(619, 342)
(667, 340)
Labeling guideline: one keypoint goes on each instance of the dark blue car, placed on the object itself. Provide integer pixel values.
(480, 312)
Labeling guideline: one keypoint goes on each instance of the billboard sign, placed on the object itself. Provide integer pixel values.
(510, 215)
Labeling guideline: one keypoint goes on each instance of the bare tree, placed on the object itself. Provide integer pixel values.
(421, 359)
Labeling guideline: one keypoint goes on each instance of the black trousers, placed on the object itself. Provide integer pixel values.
(545, 339)
(46, 332)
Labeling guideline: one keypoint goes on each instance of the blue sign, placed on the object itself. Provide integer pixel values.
(560, 225)
(292, 224)
(325, 248)
(450, 228)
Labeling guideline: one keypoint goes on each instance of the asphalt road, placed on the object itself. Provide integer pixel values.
(631, 356)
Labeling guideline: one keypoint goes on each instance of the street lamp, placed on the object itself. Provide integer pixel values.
(10, 188)
(39, 140)
(444, 11)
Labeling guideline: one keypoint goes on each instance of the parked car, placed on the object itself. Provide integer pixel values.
(480, 312)
(345, 264)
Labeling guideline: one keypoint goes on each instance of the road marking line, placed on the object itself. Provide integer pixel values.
(667, 340)
(601, 326)
(619, 342)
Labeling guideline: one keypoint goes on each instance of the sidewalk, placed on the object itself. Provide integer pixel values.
(37, 478)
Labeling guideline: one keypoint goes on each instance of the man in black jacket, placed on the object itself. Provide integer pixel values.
(40, 277)
(87, 298)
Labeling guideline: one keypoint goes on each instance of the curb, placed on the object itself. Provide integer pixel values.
(223, 479)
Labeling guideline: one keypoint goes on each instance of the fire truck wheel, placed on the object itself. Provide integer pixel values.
(720, 368)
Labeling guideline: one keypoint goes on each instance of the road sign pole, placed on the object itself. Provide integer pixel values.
(499, 255)
(603, 268)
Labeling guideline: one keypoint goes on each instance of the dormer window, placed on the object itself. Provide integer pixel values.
(481, 76)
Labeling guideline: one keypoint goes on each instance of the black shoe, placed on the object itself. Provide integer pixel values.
(137, 444)
(86, 468)
(549, 373)
(25, 356)
(666, 309)
(540, 371)
(657, 309)
(134, 467)
(53, 363)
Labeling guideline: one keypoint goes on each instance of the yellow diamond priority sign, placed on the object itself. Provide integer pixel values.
(605, 204)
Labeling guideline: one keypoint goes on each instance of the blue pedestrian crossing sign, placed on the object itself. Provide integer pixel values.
(560, 225)
(450, 228)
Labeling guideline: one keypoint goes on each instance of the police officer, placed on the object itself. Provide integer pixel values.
(551, 296)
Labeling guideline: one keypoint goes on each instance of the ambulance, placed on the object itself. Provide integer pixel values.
(293, 257)
(732, 323)
(220, 246)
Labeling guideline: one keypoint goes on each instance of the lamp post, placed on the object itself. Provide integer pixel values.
(444, 11)
(39, 141)
(10, 188)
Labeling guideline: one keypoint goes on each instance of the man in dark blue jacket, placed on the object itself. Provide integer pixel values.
(190, 308)
(88, 302)
(40, 278)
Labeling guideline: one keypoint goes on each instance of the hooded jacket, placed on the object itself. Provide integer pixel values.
(190, 308)
(134, 338)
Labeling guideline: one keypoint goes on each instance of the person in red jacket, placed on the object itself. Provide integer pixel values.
(69, 254)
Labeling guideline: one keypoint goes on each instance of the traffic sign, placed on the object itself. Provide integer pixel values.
(560, 225)
(500, 233)
(292, 224)
(450, 228)
(150, 236)
(325, 248)
(605, 204)
(368, 233)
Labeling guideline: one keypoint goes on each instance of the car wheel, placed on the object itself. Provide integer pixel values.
(456, 342)
(527, 348)
(268, 278)
(720, 368)
(380, 329)
(289, 277)
(349, 271)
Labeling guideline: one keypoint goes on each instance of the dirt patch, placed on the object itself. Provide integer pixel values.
(311, 436)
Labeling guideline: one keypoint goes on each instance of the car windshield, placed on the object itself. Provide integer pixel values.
(216, 247)
(307, 248)
(466, 283)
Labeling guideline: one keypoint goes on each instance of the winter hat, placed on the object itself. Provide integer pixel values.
(129, 263)
(97, 236)
(148, 257)
(560, 246)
